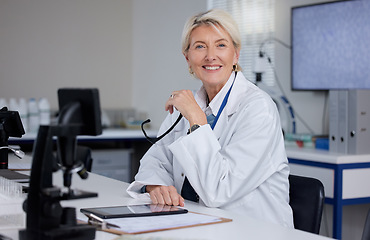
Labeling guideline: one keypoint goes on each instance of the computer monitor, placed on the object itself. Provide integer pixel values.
(79, 115)
(330, 46)
(80, 106)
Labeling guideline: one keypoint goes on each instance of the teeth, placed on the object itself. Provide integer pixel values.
(212, 68)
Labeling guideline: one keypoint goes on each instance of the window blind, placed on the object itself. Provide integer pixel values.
(256, 21)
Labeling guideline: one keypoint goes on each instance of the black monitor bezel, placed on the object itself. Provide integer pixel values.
(89, 101)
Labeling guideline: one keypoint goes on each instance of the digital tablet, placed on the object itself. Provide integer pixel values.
(133, 211)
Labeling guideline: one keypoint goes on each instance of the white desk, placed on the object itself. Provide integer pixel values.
(112, 192)
(114, 134)
(119, 137)
(346, 178)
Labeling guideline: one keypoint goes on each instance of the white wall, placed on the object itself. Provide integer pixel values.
(130, 50)
(48, 44)
(159, 66)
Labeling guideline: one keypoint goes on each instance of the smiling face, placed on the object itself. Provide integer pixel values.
(211, 56)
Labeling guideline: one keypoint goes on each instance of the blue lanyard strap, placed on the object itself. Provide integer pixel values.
(223, 104)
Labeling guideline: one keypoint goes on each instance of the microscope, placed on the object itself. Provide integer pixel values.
(10, 126)
(79, 114)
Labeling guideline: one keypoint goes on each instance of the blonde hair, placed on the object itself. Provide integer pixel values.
(215, 18)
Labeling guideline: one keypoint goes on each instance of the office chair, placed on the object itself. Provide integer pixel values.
(366, 232)
(307, 202)
(84, 154)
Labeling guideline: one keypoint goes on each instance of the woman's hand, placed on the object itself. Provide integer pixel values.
(185, 103)
(165, 195)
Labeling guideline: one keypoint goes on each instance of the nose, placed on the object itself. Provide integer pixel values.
(211, 54)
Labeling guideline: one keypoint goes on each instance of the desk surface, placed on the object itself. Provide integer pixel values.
(108, 134)
(113, 192)
(311, 154)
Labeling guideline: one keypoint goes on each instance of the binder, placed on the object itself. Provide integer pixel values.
(343, 121)
(349, 121)
(333, 120)
(359, 122)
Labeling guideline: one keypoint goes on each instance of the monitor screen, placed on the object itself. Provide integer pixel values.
(331, 46)
(87, 113)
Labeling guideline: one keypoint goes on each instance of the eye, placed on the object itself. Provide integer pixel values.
(222, 45)
(199, 46)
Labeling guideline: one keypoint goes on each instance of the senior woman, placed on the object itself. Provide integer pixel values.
(228, 150)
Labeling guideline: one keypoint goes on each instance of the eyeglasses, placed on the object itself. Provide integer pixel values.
(154, 140)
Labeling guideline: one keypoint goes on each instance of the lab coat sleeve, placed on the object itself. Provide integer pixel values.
(156, 165)
(224, 169)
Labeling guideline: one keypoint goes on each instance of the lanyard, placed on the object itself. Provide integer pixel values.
(223, 104)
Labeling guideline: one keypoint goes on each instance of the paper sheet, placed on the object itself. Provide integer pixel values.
(140, 237)
(155, 223)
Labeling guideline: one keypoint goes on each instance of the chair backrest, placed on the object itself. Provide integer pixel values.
(366, 231)
(307, 202)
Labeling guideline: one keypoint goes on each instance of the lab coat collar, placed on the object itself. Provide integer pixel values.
(240, 86)
(215, 104)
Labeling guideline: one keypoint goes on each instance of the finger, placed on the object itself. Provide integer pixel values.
(160, 199)
(182, 202)
(151, 190)
(169, 104)
(174, 93)
(165, 191)
(153, 198)
(157, 196)
(175, 197)
(168, 107)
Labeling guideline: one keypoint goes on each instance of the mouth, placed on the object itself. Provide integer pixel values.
(212, 68)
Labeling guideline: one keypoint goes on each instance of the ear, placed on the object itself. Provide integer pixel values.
(186, 57)
(237, 54)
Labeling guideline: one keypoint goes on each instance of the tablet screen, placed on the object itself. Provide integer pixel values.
(133, 211)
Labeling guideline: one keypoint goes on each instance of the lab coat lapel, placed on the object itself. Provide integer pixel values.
(221, 123)
(231, 106)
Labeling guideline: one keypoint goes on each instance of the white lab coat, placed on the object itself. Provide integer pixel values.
(239, 166)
